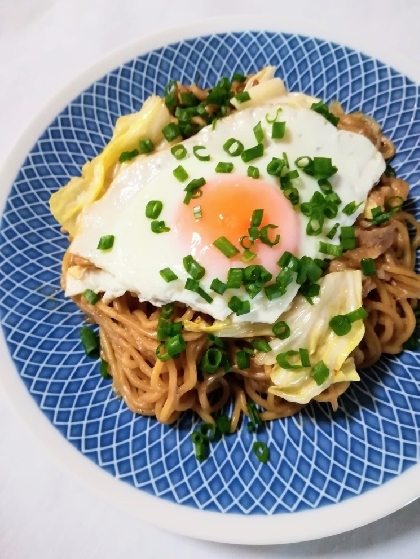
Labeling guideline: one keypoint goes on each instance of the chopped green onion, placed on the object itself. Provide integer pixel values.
(208, 431)
(175, 345)
(258, 133)
(358, 314)
(106, 242)
(254, 233)
(197, 212)
(320, 373)
(309, 291)
(304, 357)
(271, 120)
(257, 216)
(180, 173)
(168, 275)
(154, 209)
(243, 97)
(193, 188)
(252, 153)
(188, 98)
(238, 306)
(90, 296)
(159, 227)
(285, 259)
(193, 268)
(348, 239)
(254, 416)
(171, 131)
(340, 325)
(368, 267)
(167, 310)
(90, 341)
(161, 353)
(261, 345)
(223, 423)
(278, 130)
(275, 167)
(213, 124)
(233, 147)
(261, 451)
(128, 155)
(321, 108)
(248, 255)
(193, 285)
(226, 247)
(104, 370)
(223, 167)
(348, 244)
(331, 250)
(283, 360)
(253, 172)
(246, 242)
(179, 152)
(211, 361)
(390, 171)
(146, 146)
(164, 329)
(200, 451)
(216, 341)
(238, 78)
(242, 360)
(351, 207)
(274, 291)
(331, 234)
(234, 278)
(264, 235)
(196, 149)
(218, 286)
(281, 330)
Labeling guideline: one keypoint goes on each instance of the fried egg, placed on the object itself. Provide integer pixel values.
(226, 206)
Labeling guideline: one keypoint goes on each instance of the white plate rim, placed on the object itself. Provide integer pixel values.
(213, 526)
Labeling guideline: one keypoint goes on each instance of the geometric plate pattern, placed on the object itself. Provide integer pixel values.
(317, 457)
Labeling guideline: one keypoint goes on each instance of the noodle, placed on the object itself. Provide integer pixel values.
(128, 328)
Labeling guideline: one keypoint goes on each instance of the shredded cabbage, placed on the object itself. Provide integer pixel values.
(69, 201)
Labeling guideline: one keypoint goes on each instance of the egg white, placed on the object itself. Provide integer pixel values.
(138, 254)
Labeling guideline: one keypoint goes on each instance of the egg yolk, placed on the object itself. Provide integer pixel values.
(227, 204)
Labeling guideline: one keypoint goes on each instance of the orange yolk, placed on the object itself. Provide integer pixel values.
(227, 204)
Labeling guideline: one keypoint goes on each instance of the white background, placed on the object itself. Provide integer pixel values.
(44, 513)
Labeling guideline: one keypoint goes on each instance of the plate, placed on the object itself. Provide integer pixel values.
(328, 472)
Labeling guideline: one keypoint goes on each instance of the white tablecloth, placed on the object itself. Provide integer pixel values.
(44, 513)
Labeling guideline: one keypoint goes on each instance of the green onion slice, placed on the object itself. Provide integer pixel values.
(351, 207)
(159, 227)
(179, 152)
(208, 431)
(257, 216)
(253, 172)
(272, 120)
(171, 131)
(154, 208)
(234, 278)
(193, 285)
(224, 167)
(226, 247)
(320, 373)
(104, 370)
(161, 353)
(146, 146)
(167, 310)
(278, 130)
(368, 267)
(168, 275)
(128, 155)
(242, 360)
(281, 330)
(211, 361)
(233, 147)
(238, 306)
(223, 423)
(252, 153)
(243, 97)
(264, 235)
(340, 325)
(304, 357)
(194, 269)
(200, 157)
(238, 77)
(90, 341)
(261, 451)
(283, 359)
(106, 242)
(90, 296)
(332, 232)
(261, 345)
(180, 173)
(358, 314)
(331, 250)
(259, 133)
(218, 286)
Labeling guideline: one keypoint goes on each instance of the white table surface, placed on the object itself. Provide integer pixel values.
(45, 513)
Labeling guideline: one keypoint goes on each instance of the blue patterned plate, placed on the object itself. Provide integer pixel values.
(328, 472)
